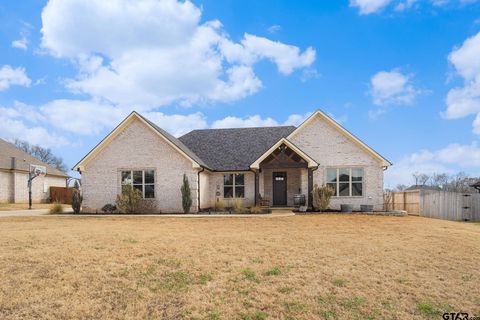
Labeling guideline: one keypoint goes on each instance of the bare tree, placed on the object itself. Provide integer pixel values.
(42, 154)
(420, 178)
(440, 180)
(400, 187)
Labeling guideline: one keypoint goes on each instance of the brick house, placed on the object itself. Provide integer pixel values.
(14, 168)
(273, 163)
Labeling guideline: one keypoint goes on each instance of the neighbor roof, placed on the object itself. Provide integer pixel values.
(23, 160)
(233, 149)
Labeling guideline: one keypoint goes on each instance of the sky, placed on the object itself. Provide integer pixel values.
(402, 75)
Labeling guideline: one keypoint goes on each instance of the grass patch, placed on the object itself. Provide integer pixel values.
(257, 315)
(203, 278)
(328, 314)
(353, 302)
(275, 271)
(285, 289)
(250, 275)
(295, 307)
(432, 310)
(339, 282)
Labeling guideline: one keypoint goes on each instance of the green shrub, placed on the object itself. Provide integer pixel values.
(56, 208)
(321, 197)
(186, 195)
(76, 201)
(129, 200)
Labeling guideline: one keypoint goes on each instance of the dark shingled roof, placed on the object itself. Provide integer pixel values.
(8, 150)
(233, 149)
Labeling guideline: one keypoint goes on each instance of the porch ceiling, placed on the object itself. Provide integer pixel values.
(285, 154)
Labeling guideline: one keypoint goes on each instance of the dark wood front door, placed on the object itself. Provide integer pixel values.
(279, 188)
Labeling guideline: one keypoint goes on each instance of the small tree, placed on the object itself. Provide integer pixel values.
(76, 185)
(186, 195)
(321, 197)
(130, 199)
(76, 201)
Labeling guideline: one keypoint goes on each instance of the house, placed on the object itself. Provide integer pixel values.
(14, 169)
(274, 163)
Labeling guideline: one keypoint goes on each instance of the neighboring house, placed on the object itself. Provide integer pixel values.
(221, 164)
(422, 187)
(14, 168)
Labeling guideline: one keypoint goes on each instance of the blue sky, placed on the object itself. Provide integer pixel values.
(404, 76)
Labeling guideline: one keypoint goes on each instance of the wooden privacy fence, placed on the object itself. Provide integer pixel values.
(438, 204)
(61, 194)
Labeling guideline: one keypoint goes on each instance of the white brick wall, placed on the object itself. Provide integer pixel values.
(330, 148)
(216, 179)
(138, 147)
(13, 187)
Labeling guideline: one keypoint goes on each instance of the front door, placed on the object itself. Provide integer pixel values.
(279, 188)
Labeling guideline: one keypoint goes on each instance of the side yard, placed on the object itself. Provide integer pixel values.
(300, 267)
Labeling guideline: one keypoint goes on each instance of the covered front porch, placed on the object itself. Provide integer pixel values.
(281, 173)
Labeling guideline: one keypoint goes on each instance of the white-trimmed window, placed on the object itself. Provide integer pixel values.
(234, 185)
(347, 182)
(142, 180)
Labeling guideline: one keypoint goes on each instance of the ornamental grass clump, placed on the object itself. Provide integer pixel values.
(321, 197)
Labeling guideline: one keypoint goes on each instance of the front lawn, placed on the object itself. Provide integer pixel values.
(299, 267)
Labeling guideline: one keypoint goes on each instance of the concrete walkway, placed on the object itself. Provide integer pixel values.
(44, 212)
(29, 213)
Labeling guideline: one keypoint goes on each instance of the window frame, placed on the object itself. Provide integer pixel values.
(350, 181)
(234, 185)
(143, 184)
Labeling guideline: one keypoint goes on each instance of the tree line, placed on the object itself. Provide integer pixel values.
(459, 182)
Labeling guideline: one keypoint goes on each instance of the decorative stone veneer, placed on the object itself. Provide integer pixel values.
(136, 148)
(330, 148)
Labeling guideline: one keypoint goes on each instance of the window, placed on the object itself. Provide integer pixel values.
(347, 182)
(234, 185)
(142, 180)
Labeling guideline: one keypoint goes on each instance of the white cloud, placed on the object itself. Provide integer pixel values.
(392, 87)
(451, 159)
(274, 28)
(369, 6)
(465, 100)
(10, 77)
(23, 42)
(151, 53)
(373, 6)
(21, 121)
(178, 124)
(258, 121)
(82, 117)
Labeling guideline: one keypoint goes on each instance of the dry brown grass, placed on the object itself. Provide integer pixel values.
(24, 206)
(302, 267)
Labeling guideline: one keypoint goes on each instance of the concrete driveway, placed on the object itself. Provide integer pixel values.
(26, 213)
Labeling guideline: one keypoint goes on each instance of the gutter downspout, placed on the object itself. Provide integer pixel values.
(198, 187)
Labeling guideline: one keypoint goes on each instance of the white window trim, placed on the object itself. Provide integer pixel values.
(350, 187)
(143, 181)
(233, 185)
